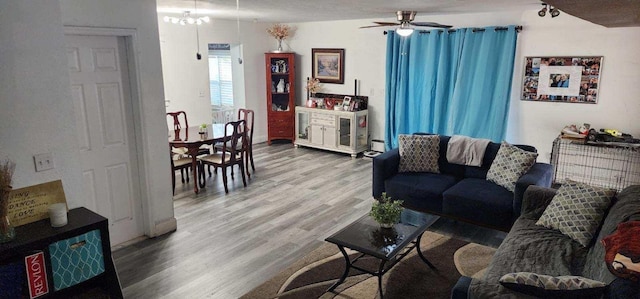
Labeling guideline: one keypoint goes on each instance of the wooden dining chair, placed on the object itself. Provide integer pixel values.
(248, 116)
(178, 125)
(182, 163)
(230, 154)
(180, 159)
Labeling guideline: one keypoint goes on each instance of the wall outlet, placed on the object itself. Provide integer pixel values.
(43, 162)
(202, 93)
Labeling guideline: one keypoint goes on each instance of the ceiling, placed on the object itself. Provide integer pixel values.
(293, 11)
(611, 13)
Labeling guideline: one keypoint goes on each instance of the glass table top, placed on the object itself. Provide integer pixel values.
(366, 236)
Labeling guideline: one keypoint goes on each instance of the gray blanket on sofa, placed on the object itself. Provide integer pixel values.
(465, 150)
(532, 248)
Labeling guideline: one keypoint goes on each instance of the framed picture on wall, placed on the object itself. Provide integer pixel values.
(327, 65)
(569, 79)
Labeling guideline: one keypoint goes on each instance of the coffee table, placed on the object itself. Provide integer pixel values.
(389, 245)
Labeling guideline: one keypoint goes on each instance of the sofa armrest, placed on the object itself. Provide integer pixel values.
(540, 174)
(535, 201)
(461, 289)
(385, 166)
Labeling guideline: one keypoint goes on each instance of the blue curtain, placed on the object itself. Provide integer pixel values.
(449, 82)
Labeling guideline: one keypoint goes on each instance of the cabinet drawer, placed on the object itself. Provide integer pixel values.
(280, 121)
(280, 132)
(76, 259)
(323, 119)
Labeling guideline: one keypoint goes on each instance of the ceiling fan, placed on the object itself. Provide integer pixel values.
(405, 19)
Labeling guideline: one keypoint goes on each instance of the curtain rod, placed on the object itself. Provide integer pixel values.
(518, 29)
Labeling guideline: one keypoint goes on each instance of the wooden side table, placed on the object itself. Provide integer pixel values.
(39, 236)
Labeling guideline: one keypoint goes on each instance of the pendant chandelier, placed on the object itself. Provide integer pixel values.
(187, 19)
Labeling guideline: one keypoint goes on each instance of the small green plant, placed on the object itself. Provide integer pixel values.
(387, 210)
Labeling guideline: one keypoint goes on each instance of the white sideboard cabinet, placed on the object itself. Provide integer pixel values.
(339, 131)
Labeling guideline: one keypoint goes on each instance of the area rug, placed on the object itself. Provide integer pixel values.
(310, 276)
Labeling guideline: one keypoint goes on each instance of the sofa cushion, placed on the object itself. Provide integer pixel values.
(577, 210)
(547, 286)
(419, 153)
(480, 201)
(420, 190)
(509, 165)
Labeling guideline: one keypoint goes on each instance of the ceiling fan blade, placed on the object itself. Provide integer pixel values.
(373, 26)
(387, 23)
(381, 24)
(430, 24)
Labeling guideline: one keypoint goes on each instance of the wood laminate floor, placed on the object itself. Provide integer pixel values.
(226, 245)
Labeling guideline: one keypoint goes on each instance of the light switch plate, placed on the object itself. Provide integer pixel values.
(43, 162)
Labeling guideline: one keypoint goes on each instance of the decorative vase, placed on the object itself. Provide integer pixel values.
(7, 231)
(280, 87)
(279, 50)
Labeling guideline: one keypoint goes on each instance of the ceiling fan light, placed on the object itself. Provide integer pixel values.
(175, 20)
(404, 32)
(199, 21)
(191, 20)
(206, 19)
(554, 12)
(166, 19)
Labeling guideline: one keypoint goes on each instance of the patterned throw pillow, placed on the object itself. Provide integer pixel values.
(419, 153)
(546, 286)
(577, 210)
(509, 165)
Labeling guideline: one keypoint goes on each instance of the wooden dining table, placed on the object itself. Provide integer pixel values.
(191, 139)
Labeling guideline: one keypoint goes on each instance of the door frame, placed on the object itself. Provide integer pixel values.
(131, 48)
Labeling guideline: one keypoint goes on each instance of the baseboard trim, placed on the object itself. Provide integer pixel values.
(166, 226)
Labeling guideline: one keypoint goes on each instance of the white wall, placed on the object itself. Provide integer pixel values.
(37, 109)
(534, 123)
(539, 123)
(185, 78)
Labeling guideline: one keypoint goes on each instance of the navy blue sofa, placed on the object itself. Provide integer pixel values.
(458, 191)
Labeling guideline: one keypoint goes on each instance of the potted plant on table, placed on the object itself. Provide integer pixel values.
(386, 211)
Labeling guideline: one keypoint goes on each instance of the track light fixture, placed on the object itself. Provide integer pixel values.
(543, 11)
(553, 11)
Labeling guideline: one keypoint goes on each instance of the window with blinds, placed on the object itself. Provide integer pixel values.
(220, 77)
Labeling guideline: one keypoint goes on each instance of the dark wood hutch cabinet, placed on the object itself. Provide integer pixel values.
(280, 71)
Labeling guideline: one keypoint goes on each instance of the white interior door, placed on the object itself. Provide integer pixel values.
(106, 132)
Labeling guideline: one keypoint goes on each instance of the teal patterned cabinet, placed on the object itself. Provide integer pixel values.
(77, 259)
